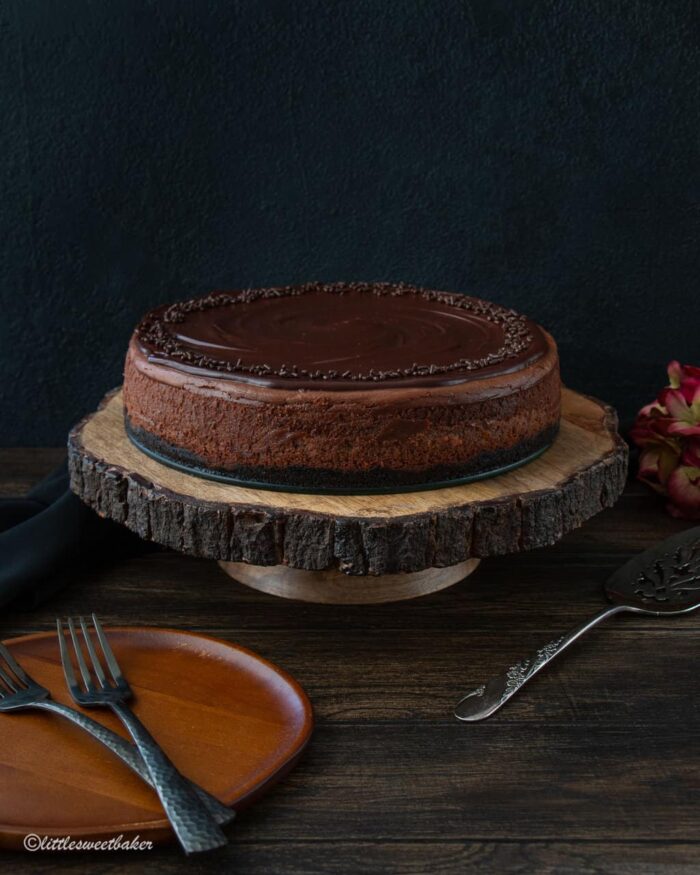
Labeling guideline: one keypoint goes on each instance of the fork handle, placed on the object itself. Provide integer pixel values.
(130, 755)
(488, 698)
(194, 826)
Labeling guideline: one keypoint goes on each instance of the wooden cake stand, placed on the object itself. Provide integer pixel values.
(353, 548)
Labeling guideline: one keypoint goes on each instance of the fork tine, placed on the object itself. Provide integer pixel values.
(87, 680)
(101, 677)
(7, 680)
(19, 672)
(68, 672)
(107, 650)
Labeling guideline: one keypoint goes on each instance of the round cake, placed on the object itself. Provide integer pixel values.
(341, 387)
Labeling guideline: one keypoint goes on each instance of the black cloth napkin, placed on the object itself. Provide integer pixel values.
(49, 533)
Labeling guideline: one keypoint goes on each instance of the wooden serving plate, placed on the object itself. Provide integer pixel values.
(353, 548)
(230, 720)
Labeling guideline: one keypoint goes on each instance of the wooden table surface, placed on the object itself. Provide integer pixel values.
(593, 768)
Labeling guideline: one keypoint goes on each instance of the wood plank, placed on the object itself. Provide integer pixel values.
(21, 468)
(547, 590)
(329, 857)
(497, 782)
(374, 677)
(371, 677)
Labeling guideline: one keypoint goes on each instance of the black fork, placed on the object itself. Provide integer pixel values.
(193, 824)
(19, 692)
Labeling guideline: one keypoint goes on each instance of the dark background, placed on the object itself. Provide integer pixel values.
(541, 154)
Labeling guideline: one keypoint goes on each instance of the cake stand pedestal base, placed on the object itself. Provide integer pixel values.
(332, 587)
(352, 548)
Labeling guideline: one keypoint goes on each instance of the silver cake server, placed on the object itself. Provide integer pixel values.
(664, 580)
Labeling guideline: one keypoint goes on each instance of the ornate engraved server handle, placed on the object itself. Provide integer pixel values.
(488, 698)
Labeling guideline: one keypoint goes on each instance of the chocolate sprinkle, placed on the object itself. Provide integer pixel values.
(153, 332)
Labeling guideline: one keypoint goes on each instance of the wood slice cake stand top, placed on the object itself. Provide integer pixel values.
(583, 472)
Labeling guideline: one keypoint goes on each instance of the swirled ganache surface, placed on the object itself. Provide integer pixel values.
(337, 336)
(341, 386)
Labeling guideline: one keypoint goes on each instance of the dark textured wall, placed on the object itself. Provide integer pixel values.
(541, 154)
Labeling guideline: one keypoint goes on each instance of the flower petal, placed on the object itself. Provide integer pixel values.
(647, 432)
(649, 464)
(675, 374)
(669, 457)
(690, 389)
(651, 409)
(676, 404)
(691, 452)
(683, 428)
(684, 490)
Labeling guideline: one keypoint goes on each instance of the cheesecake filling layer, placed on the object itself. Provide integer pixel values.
(434, 387)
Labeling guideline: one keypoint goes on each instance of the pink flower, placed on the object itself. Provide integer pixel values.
(656, 465)
(691, 453)
(684, 491)
(683, 405)
(678, 373)
(668, 434)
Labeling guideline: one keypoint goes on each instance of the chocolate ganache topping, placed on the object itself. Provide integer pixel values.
(340, 335)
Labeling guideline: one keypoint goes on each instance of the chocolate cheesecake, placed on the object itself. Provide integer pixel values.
(341, 387)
